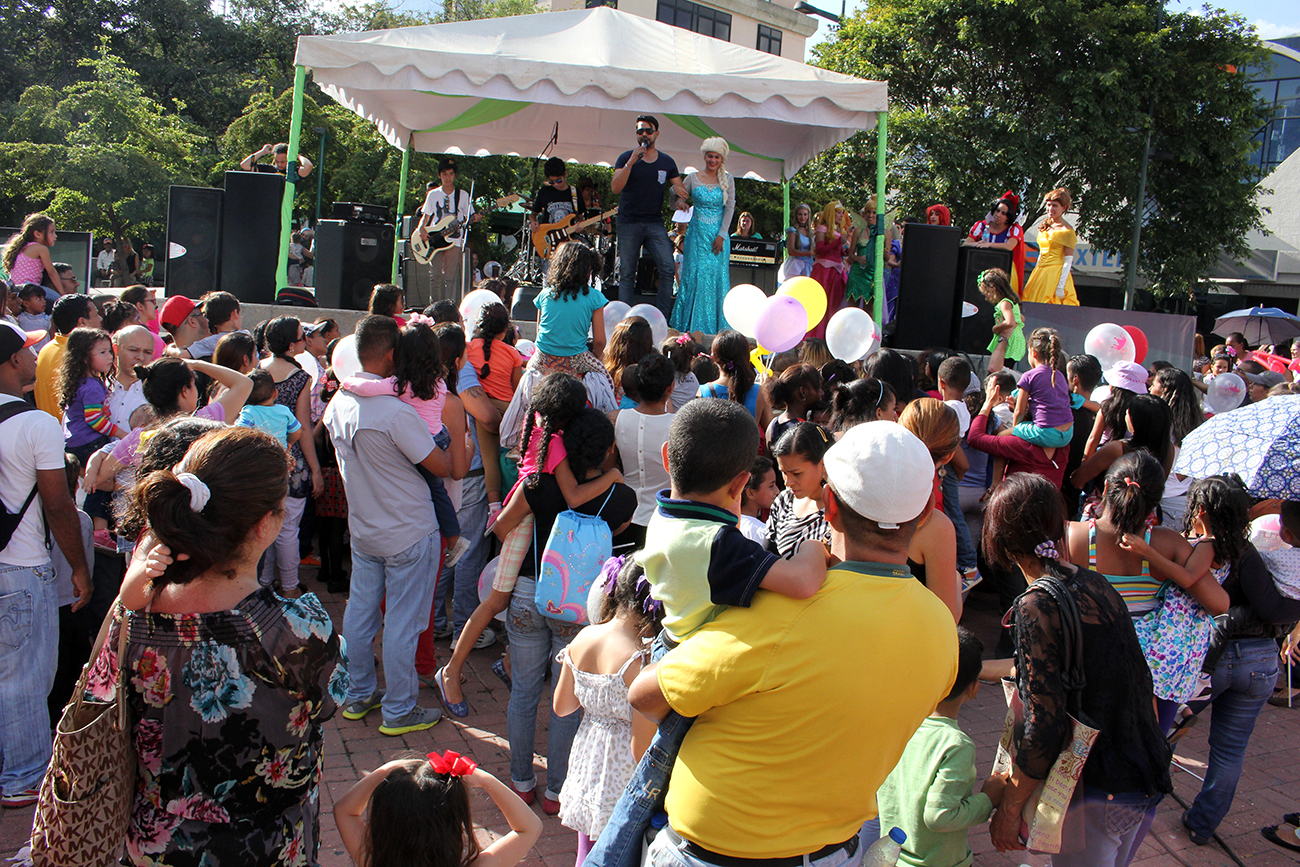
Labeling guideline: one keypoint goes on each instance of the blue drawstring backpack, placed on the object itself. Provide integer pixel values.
(575, 551)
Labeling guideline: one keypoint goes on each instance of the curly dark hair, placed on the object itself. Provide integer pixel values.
(557, 400)
(570, 271)
(76, 362)
(1226, 504)
(419, 361)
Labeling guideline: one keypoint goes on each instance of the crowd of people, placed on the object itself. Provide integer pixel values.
(170, 469)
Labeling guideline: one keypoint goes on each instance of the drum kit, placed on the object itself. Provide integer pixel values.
(534, 247)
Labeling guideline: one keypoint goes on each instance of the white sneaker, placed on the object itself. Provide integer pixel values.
(455, 552)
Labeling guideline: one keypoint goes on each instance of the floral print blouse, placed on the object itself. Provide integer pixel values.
(227, 711)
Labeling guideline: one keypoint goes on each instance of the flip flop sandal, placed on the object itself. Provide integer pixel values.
(1292, 819)
(499, 669)
(1271, 835)
(459, 709)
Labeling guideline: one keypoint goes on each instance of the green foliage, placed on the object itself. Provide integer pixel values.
(1032, 95)
(96, 155)
(474, 10)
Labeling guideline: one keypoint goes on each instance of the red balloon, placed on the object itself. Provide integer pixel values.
(1139, 342)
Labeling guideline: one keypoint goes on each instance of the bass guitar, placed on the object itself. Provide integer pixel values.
(551, 235)
(444, 233)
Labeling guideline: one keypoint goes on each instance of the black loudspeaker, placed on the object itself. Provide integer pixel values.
(351, 258)
(976, 331)
(763, 277)
(647, 278)
(929, 306)
(250, 235)
(522, 308)
(192, 250)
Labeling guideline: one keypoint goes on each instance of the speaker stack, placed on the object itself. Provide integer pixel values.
(351, 258)
(250, 235)
(974, 332)
(193, 246)
(929, 305)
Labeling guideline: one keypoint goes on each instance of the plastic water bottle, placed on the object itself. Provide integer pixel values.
(658, 822)
(885, 851)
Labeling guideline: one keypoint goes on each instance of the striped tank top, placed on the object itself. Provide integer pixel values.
(1139, 592)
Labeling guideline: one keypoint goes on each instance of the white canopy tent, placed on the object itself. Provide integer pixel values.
(505, 85)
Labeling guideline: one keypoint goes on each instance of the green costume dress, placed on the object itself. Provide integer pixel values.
(862, 282)
(1015, 338)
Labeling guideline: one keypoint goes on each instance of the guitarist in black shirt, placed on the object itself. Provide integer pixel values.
(446, 205)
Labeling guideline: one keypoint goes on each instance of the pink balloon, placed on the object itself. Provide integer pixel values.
(781, 324)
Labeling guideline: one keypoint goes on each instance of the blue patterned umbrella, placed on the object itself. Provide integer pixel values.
(1260, 442)
(1259, 325)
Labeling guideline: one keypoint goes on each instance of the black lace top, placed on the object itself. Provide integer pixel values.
(1130, 754)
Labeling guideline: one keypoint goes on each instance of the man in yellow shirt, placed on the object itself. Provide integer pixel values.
(70, 312)
(804, 706)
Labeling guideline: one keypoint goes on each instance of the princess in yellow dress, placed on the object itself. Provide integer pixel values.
(1050, 282)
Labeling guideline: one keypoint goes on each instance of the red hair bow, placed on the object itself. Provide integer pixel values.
(452, 764)
(1012, 197)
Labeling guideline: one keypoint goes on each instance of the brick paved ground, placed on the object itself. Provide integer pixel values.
(1270, 785)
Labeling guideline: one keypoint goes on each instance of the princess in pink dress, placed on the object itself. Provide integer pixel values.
(828, 263)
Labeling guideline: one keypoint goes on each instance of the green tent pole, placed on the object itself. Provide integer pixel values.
(882, 134)
(286, 206)
(401, 201)
(785, 205)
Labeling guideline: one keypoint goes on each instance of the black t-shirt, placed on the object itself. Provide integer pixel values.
(270, 169)
(1083, 421)
(547, 503)
(642, 199)
(554, 204)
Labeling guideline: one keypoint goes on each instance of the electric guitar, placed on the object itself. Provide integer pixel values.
(551, 235)
(444, 233)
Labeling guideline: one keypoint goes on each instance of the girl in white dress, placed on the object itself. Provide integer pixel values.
(599, 666)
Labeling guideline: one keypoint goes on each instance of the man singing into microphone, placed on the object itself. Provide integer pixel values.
(639, 178)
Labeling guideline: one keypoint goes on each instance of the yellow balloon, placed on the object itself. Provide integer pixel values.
(809, 293)
(756, 358)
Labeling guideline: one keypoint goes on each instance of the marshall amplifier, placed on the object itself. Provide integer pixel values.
(754, 251)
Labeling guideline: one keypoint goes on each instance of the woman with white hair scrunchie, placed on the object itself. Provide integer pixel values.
(706, 263)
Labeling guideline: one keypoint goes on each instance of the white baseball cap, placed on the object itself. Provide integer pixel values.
(881, 471)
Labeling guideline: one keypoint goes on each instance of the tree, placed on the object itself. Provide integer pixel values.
(1032, 95)
(98, 155)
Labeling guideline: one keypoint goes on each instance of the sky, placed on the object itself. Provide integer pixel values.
(1272, 18)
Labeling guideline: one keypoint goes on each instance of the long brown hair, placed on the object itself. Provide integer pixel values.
(76, 363)
(1060, 194)
(35, 224)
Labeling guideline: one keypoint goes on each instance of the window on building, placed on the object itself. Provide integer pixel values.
(592, 4)
(769, 39)
(693, 16)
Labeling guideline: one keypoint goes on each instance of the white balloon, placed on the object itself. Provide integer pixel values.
(615, 312)
(741, 307)
(471, 306)
(1109, 344)
(653, 315)
(851, 334)
(345, 361)
(1100, 393)
(525, 347)
(1226, 392)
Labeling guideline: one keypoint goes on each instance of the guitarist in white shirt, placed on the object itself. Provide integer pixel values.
(447, 268)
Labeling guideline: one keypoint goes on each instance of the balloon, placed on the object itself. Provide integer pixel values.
(1226, 392)
(1100, 393)
(615, 312)
(485, 579)
(653, 315)
(1139, 342)
(472, 305)
(741, 307)
(781, 324)
(851, 334)
(1109, 344)
(345, 361)
(809, 293)
(756, 359)
(525, 347)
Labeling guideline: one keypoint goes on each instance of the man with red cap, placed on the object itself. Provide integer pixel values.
(32, 481)
(183, 320)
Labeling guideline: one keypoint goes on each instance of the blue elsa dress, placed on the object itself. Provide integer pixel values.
(706, 276)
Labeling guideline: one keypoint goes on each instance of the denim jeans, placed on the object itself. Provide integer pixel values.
(619, 845)
(952, 508)
(1243, 681)
(284, 550)
(29, 652)
(1111, 826)
(631, 238)
(664, 852)
(406, 580)
(535, 641)
(463, 577)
